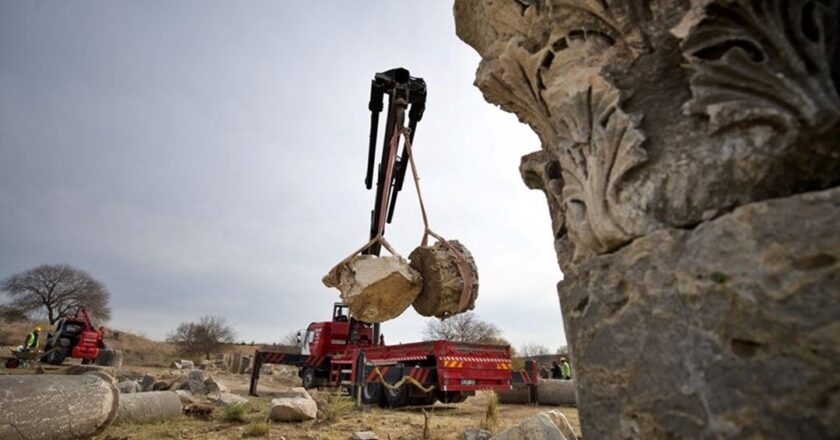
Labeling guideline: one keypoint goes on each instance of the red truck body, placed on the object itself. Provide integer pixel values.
(416, 373)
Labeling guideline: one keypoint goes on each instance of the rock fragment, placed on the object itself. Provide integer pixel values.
(375, 289)
(296, 405)
(539, 427)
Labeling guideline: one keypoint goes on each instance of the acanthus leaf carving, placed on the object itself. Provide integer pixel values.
(602, 144)
(765, 61)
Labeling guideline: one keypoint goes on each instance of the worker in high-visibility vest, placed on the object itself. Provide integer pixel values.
(565, 369)
(32, 339)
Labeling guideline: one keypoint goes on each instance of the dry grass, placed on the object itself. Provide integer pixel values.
(258, 429)
(141, 351)
(337, 406)
(234, 413)
(14, 333)
(491, 413)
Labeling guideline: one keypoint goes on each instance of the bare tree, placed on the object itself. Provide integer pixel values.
(466, 327)
(289, 339)
(56, 290)
(533, 350)
(203, 336)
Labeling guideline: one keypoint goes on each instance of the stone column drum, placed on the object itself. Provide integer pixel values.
(690, 158)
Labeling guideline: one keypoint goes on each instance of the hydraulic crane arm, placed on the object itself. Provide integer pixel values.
(404, 93)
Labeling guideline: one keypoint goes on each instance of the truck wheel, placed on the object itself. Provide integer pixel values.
(372, 393)
(424, 400)
(308, 378)
(55, 357)
(398, 397)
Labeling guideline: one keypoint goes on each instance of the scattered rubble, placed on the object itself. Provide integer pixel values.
(129, 386)
(442, 282)
(182, 364)
(375, 289)
(295, 405)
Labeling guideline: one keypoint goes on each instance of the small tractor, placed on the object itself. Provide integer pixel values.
(75, 336)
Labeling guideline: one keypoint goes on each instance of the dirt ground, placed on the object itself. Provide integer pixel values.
(447, 421)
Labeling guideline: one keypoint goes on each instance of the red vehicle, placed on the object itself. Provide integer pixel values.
(74, 336)
(340, 353)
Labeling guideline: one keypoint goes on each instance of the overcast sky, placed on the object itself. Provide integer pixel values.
(207, 157)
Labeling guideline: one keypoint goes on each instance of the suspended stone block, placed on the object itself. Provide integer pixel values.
(442, 282)
(375, 289)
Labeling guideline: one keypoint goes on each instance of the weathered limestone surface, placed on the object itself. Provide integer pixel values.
(56, 407)
(442, 282)
(688, 151)
(148, 407)
(727, 330)
(375, 289)
(295, 405)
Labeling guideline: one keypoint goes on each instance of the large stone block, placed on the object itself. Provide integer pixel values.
(726, 330)
(443, 282)
(375, 289)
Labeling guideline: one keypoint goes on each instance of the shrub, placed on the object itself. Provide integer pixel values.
(234, 413)
(491, 413)
(337, 406)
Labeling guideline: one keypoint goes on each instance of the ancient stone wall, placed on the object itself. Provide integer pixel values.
(689, 153)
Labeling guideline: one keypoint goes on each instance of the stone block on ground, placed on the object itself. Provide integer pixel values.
(147, 382)
(227, 399)
(557, 392)
(147, 407)
(375, 289)
(442, 281)
(294, 405)
(182, 364)
(129, 386)
(245, 365)
(364, 435)
(537, 427)
(187, 398)
(215, 386)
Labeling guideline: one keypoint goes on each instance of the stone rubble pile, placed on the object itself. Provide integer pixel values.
(192, 386)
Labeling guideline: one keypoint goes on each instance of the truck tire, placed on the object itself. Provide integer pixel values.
(55, 355)
(398, 397)
(308, 379)
(372, 394)
(424, 400)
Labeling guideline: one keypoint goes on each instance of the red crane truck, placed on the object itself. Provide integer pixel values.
(339, 354)
(345, 352)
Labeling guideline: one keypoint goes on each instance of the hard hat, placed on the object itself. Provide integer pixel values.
(38, 329)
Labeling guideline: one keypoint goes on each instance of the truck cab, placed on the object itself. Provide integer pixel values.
(322, 340)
